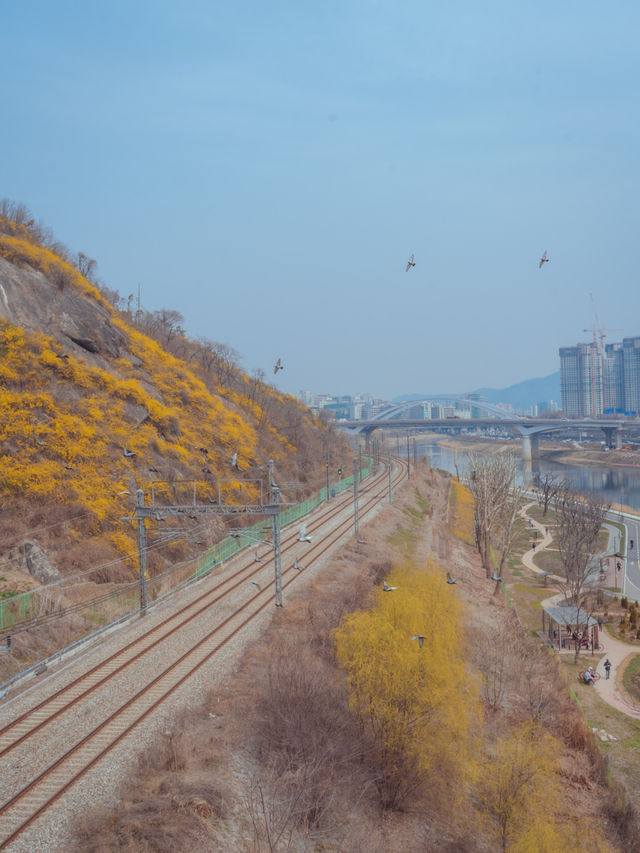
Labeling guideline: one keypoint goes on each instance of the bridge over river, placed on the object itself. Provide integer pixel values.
(529, 428)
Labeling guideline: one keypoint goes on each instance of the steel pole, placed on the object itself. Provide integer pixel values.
(327, 498)
(355, 500)
(142, 552)
(277, 558)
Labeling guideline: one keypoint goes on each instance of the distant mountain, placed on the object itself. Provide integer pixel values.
(521, 396)
(527, 393)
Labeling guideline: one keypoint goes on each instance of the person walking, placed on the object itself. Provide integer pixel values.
(607, 667)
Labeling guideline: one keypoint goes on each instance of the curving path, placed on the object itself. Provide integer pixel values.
(617, 651)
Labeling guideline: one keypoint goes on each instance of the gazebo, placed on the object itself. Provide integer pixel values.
(564, 625)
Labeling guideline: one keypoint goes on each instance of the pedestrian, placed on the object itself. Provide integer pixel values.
(546, 531)
(533, 546)
(607, 667)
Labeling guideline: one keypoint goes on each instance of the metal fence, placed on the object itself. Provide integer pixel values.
(39, 604)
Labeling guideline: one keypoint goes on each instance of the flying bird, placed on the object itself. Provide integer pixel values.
(420, 638)
(206, 470)
(62, 355)
(69, 467)
(128, 453)
(205, 454)
(496, 577)
(386, 588)
(296, 566)
(125, 492)
(450, 579)
(278, 366)
(255, 583)
(543, 260)
(302, 536)
(154, 470)
(40, 443)
(410, 263)
(234, 462)
(258, 559)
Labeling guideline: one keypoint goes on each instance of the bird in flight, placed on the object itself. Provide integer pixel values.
(258, 559)
(255, 583)
(278, 366)
(496, 577)
(543, 260)
(410, 263)
(302, 536)
(128, 453)
(386, 588)
(420, 638)
(296, 566)
(40, 443)
(450, 579)
(234, 462)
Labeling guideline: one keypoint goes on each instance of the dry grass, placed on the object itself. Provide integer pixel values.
(283, 766)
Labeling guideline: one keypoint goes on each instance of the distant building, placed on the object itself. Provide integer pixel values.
(476, 411)
(631, 357)
(613, 379)
(595, 381)
(581, 380)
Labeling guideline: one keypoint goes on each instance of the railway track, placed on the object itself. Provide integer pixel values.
(218, 616)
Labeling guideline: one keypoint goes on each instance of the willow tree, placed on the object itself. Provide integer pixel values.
(493, 481)
(413, 698)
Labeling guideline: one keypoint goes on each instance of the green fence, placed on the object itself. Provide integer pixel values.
(29, 605)
(256, 534)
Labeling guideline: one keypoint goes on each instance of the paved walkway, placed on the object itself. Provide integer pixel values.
(615, 650)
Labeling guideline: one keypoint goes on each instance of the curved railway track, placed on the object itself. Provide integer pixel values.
(46, 784)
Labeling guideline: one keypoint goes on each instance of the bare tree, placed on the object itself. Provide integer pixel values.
(579, 521)
(549, 486)
(497, 495)
(86, 266)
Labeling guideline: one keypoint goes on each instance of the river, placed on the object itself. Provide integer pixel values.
(617, 485)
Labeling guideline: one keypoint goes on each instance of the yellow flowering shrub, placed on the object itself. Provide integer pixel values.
(461, 519)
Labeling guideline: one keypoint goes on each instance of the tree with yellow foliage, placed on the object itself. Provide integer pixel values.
(523, 798)
(415, 702)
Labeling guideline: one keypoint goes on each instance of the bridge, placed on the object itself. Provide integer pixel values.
(529, 428)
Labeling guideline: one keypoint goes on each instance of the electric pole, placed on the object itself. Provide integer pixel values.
(142, 552)
(355, 500)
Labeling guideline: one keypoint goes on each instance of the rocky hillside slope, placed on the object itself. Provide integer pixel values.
(95, 408)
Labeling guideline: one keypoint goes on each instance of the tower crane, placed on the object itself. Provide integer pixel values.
(598, 330)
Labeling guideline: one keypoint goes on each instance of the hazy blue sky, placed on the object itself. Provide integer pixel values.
(267, 168)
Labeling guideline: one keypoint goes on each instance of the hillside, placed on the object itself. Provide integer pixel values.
(98, 403)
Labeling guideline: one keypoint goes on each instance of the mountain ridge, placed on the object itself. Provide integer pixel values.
(521, 395)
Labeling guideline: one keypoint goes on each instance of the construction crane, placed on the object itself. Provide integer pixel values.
(598, 330)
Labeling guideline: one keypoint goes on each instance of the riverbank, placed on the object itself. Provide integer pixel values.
(553, 451)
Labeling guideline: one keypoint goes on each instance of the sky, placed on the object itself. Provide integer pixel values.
(267, 169)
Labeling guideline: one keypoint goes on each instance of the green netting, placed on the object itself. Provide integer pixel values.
(27, 605)
(253, 535)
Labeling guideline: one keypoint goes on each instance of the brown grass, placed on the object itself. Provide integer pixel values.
(282, 765)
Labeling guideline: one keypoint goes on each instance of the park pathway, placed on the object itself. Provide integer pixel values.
(616, 650)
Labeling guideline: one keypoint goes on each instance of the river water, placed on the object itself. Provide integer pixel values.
(612, 485)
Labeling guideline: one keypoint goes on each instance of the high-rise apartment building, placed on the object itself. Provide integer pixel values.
(581, 380)
(631, 356)
(593, 382)
(613, 379)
